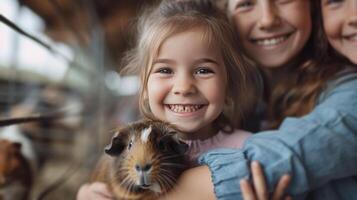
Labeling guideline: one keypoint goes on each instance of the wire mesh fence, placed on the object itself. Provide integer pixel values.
(61, 110)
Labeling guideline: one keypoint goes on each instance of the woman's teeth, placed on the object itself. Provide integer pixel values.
(353, 37)
(271, 41)
(185, 108)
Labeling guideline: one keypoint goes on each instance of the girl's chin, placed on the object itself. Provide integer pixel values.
(186, 129)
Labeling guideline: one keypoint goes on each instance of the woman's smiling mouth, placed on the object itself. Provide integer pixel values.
(351, 37)
(271, 41)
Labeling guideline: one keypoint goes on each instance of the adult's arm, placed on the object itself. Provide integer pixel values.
(196, 184)
(314, 149)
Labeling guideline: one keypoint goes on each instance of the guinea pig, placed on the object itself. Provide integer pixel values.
(143, 161)
(15, 172)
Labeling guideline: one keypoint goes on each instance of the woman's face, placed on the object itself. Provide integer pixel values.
(340, 24)
(272, 32)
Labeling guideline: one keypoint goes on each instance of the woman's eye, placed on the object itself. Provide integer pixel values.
(286, 1)
(243, 5)
(328, 2)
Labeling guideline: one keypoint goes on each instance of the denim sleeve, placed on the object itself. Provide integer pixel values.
(314, 149)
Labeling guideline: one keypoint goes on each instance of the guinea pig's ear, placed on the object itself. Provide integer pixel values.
(116, 146)
(182, 147)
(172, 141)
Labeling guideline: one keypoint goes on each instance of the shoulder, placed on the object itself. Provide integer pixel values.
(335, 109)
(342, 81)
(345, 77)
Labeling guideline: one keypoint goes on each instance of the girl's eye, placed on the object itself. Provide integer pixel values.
(164, 70)
(204, 70)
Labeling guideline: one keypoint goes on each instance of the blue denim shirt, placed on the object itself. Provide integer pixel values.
(319, 150)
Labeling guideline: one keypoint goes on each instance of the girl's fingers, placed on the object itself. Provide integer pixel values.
(281, 187)
(247, 190)
(259, 181)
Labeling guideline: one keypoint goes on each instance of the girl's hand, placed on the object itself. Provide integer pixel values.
(259, 190)
(94, 191)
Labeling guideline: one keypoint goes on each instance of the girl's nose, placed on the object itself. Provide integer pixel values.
(269, 17)
(184, 86)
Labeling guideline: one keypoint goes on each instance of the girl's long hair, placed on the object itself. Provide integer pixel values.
(172, 17)
(319, 62)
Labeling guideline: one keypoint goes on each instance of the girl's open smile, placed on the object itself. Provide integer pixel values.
(185, 108)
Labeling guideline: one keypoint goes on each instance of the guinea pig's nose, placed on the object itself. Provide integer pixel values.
(143, 168)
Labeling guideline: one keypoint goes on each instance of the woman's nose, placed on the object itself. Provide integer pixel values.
(352, 14)
(269, 17)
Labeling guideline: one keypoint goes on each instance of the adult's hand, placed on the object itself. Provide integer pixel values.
(259, 190)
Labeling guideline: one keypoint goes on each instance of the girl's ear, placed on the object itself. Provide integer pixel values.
(117, 145)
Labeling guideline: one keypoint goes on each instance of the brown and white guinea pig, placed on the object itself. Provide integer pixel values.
(145, 160)
(15, 172)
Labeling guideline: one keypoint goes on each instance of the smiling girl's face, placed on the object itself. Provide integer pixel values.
(272, 32)
(340, 24)
(187, 84)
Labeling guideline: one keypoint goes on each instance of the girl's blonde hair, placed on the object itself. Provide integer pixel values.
(174, 17)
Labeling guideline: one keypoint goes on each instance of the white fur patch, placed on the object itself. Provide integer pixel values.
(156, 188)
(145, 134)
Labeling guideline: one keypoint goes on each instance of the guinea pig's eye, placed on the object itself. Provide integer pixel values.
(162, 146)
(130, 144)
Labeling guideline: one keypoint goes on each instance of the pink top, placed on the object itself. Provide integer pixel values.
(220, 140)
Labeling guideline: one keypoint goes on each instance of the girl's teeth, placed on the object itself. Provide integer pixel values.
(184, 108)
(272, 41)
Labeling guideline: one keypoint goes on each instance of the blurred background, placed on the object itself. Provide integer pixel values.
(60, 90)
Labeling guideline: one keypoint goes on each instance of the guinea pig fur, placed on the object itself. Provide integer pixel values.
(15, 172)
(145, 160)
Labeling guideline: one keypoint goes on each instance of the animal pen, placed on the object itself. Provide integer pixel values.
(60, 90)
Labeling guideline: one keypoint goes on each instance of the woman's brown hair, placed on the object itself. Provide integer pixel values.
(296, 95)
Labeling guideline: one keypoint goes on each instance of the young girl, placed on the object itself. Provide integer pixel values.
(336, 38)
(339, 21)
(316, 143)
(192, 75)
